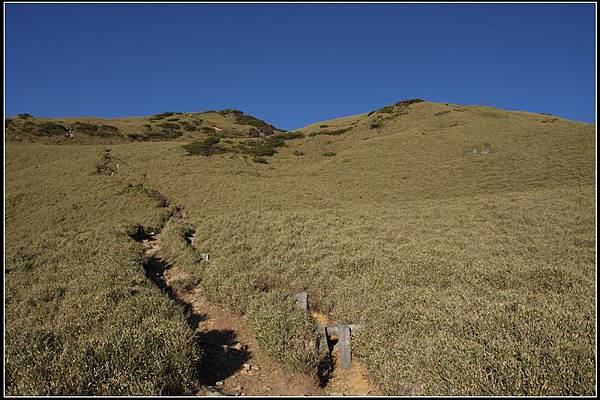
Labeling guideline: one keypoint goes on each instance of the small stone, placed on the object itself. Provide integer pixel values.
(220, 383)
(238, 346)
(246, 367)
(214, 394)
(255, 367)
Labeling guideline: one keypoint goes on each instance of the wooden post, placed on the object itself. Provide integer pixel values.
(301, 300)
(323, 342)
(191, 240)
(343, 345)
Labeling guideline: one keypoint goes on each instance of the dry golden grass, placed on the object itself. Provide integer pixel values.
(473, 274)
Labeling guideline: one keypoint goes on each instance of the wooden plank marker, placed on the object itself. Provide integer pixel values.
(343, 332)
(191, 240)
(301, 300)
(204, 256)
(344, 345)
(323, 342)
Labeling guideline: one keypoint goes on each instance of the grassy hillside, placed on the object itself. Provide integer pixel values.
(461, 237)
(164, 126)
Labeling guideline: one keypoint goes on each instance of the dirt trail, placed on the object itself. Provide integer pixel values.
(233, 363)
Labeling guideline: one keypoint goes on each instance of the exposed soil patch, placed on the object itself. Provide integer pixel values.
(155, 268)
(106, 164)
(158, 196)
(232, 363)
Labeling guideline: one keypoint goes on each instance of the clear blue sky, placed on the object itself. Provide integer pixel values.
(295, 64)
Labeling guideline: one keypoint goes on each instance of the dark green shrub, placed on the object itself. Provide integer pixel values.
(263, 150)
(169, 125)
(399, 107)
(173, 119)
(212, 139)
(244, 119)
(335, 132)
(206, 147)
(260, 160)
(253, 132)
(376, 124)
(275, 141)
(95, 129)
(165, 114)
(137, 137)
(50, 129)
(251, 143)
(387, 110)
(164, 134)
(265, 147)
(289, 135)
(24, 115)
(409, 102)
(329, 154)
(298, 153)
(230, 111)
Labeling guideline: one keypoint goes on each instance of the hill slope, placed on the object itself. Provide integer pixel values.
(164, 126)
(461, 237)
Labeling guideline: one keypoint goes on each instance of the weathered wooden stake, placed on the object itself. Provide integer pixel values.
(191, 240)
(301, 300)
(344, 347)
(323, 342)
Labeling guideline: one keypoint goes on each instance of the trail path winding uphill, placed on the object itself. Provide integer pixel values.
(233, 363)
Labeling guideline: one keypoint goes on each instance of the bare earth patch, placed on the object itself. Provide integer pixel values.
(233, 363)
